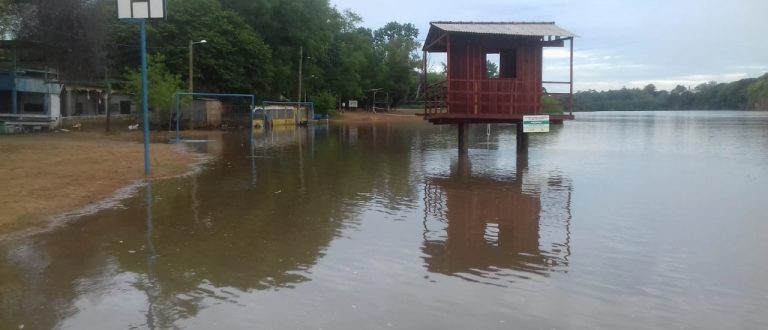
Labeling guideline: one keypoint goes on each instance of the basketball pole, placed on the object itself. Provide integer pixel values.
(145, 95)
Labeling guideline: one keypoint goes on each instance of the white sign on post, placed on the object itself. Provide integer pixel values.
(136, 9)
(536, 124)
(353, 103)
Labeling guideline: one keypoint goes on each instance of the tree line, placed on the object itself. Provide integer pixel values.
(745, 94)
(253, 46)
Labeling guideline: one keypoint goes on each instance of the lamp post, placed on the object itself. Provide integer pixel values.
(192, 75)
(192, 63)
(301, 69)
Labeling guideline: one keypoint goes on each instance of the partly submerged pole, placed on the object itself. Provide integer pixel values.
(178, 119)
(570, 97)
(522, 139)
(145, 95)
(463, 139)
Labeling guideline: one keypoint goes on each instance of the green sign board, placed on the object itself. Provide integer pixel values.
(536, 124)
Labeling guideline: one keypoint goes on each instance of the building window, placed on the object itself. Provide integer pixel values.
(33, 108)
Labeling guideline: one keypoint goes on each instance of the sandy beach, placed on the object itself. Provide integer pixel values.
(45, 175)
(396, 115)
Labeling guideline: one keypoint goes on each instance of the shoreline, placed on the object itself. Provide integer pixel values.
(395, 115)
(52, 178)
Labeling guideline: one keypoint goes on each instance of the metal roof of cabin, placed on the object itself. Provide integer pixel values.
(436, 41)
(534, 29)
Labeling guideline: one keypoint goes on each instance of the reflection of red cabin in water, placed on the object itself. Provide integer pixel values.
(489, 227)
(469, 95)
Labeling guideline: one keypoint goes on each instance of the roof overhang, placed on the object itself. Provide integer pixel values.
(512, 31)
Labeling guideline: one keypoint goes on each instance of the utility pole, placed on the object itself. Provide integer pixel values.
(106, 97)
(301, 63)
(192, 77)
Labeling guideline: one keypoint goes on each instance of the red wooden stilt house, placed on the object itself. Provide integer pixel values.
(470, 96)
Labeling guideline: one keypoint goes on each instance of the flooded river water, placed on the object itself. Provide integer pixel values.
(613, 221)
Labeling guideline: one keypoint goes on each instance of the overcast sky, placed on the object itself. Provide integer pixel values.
(621, 42)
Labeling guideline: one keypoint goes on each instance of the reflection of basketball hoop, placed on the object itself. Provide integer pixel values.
(138, 9)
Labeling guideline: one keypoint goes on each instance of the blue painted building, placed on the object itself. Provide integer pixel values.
(28, 97)
(34, 94)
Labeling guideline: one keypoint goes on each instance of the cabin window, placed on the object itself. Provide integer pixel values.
(508, 64)
(492, 66)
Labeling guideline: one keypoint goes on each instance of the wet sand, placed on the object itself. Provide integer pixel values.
(396, 115)
(46, 175)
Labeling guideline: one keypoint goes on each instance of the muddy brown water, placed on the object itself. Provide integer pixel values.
(614, 221)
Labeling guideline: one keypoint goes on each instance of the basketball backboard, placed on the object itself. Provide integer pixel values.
(133, 9)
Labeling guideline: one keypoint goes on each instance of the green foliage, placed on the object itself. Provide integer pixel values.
(550, 105)
(436, 77)
(492, 69)
(707, 96)
(757, 93)
(395, 61)
(325, 102)
(253, 46)
(163, 85)
(5, 19)
(286, 26)
(71, 34)
(235, 58)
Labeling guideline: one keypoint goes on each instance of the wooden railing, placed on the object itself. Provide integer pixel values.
(435, 97)
(489, 97)
(493, 97)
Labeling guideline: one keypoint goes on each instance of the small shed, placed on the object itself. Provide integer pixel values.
(207, 113)
(469, 95)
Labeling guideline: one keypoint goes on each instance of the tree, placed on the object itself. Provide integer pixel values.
(253, 45)
(758, 94)
(287, 26)
(492, 70)
(324, 103)
(396, 62)
(235, 58)
(163, 86)
(737, 95)
(70, 33)
(6, 20)
(346, 70)
(394, 30)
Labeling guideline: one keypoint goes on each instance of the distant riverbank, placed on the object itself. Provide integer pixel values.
(46, 175)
